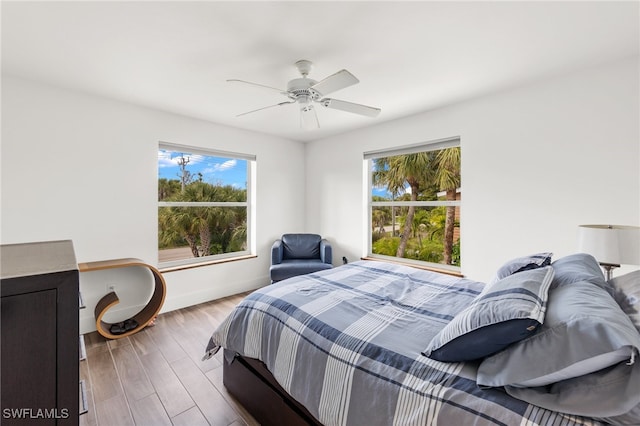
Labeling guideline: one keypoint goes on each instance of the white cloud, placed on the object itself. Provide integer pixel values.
(165, 158)
(229, 164)
(220, 167)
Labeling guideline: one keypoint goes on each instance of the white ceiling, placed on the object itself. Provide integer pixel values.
(409, 57)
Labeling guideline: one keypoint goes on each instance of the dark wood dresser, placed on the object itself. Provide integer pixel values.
(39, 324)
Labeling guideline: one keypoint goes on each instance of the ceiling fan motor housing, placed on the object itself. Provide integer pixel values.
(301, 87)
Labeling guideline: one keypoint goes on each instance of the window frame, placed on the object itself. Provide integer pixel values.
(368, 158)
(249, 204)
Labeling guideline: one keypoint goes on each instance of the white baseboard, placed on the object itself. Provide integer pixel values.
(213, 293)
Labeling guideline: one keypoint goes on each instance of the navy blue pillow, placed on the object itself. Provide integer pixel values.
(524, 263)
(510, 310)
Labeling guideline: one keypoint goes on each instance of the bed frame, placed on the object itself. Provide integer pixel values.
(249, 381)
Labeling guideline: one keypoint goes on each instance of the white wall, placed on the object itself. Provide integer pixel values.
(84, 168)
(537, 161)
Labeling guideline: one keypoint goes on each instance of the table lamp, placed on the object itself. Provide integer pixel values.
(611, 245)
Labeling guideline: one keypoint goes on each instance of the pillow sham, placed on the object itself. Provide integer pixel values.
(584, 331)
(511, 310)
(626, 291)
(525, 263)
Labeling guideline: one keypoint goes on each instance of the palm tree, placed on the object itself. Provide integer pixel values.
(200, 216)
(176, 223)
(420, 224)
(380, 217)
(167, 188)
(239, 236)
(447, 163)
(396, 172)
(195, 225)
(218, 221)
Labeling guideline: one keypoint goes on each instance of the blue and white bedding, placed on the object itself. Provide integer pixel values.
(347, 343)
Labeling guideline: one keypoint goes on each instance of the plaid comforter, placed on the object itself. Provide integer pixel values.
(346, 343)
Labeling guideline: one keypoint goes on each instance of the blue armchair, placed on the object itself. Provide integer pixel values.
(298, 254)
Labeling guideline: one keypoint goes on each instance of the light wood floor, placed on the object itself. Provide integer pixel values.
(156, 377)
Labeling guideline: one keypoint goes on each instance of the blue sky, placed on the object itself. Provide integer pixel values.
(215, 170)
(382, 192)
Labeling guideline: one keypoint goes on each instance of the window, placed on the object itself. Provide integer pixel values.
(204, 205)
(414, 198)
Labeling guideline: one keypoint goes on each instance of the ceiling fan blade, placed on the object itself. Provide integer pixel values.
(350, 107)
(309, 118)
(267, 107)
(284, 92)
(334, 82)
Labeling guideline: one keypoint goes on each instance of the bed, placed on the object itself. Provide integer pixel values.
(375, 343)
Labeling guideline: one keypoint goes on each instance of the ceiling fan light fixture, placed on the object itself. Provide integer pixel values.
(308, 117)
(305, 102)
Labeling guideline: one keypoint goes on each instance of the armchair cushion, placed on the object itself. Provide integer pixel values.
(295, 267)
(301, 246)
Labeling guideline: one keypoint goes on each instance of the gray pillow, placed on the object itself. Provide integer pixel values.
(626, 291)
(511, 310)
(584, 331)
(611, 394)
(577, 267)
(523, 263)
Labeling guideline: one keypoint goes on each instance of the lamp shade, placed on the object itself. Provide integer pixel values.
(611, 244)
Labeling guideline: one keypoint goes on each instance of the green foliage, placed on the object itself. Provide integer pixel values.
(428, 251)
(206, 230)
(455, 254)
(168, 188)
(386, 246)
(426, 233)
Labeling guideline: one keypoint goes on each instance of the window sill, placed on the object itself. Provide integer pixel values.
(413, 265)
(206, 263)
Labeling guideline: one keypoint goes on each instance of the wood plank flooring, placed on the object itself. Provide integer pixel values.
(157, 377)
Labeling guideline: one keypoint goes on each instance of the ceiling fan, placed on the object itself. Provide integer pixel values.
(306, 92)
